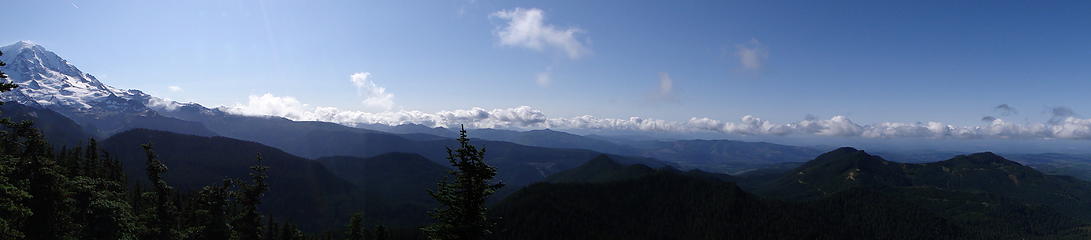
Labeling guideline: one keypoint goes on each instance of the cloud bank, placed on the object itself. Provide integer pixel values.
(524, 117)
(527, 28)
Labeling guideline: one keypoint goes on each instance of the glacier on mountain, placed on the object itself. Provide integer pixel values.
(48, 81)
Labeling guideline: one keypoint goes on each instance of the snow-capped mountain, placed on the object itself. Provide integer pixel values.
(48, 81)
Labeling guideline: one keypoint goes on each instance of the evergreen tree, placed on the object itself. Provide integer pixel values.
(291, 232)
(38, 191)
(271, 229)
(249, 223)
(212, 213)
(113, 171)
(100, 209)
(4, 85)
(50, 189)
(163, 222)
(13, 212)
(355, 229)
(104, 213)
(462, 214)
(380, 233)
(92, 167)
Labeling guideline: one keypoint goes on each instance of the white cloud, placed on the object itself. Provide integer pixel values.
(525, 117)
(1072, 128)
(174, 88)
(289, 107)
(374, 95)
(527, 28)
(543, 79)
(752, 54)
(269, 105)
(162, 104)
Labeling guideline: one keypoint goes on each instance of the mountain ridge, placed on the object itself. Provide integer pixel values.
(675, 205)
(848, 168)
(48, 81)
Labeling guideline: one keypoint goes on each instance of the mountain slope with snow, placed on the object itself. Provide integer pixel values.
(48, 81)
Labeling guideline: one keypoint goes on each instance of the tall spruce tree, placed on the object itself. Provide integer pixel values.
(291, 232)
(381, 233)
(356, 230)
(113, 171)
(248, 225)
(462, 214)
(163, 222)
(50, 189)
(4, 84)
(12, 211)
(103, 212)
(91, 166)
(213, 209)
(271, 229)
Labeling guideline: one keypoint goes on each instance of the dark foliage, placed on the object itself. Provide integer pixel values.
(462, 214)
(675, 205)
(393, 185)
(605, 199)
(248, 224)
(848, 168)
(302, 190)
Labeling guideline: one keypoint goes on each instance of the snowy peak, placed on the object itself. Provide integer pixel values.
(28, 57)
(45, 79)
(48, 81)
(19, 47)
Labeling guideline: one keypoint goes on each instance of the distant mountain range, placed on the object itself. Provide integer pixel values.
(724, 156)
(848, 168)
(47, 81)
(843, 194)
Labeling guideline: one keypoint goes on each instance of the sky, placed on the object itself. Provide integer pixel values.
(733, 66)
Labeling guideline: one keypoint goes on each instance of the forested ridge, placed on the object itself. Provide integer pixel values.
(633, 202)
(85, 192)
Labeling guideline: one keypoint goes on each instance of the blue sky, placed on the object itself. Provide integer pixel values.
(870, 61)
